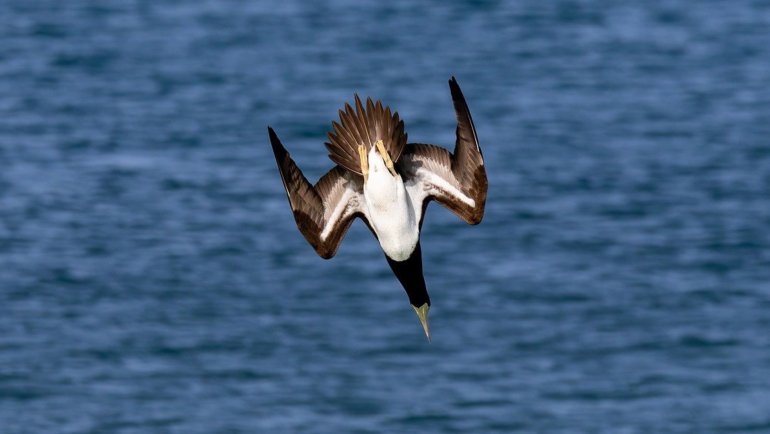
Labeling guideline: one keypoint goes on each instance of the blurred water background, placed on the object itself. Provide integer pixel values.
(152, 279)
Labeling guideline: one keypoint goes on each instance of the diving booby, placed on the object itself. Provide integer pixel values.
(388, 183)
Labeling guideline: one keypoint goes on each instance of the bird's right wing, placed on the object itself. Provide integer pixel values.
(457, 181)
(324, 211)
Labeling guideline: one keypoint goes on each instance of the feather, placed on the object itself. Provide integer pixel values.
(364, 125)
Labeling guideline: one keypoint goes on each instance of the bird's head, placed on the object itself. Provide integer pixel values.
(409, 273)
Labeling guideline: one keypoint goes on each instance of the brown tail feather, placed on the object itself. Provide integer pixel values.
(364, 126)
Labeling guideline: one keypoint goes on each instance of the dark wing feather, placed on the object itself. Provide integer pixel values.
(324, 211)
(458, 181)
(364, 126)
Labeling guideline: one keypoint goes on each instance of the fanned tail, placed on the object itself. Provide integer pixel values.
(364, 126)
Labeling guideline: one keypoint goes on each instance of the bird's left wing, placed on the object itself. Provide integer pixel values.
(324, 211)
(456, 180)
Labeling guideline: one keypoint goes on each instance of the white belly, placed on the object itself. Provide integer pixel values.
(391, 214)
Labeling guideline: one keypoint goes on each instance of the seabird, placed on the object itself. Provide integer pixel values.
(388, 183)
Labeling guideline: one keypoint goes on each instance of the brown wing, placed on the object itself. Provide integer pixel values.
(457, 181)
(324, 211)
(365, 127)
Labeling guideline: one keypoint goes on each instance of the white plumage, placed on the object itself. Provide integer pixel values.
(388, 183)
(390, 210)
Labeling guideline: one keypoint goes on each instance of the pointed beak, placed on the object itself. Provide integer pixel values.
(422, 313)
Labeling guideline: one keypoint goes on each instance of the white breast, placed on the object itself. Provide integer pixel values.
(390, 211)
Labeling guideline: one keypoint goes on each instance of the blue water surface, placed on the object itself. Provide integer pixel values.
(152, 279)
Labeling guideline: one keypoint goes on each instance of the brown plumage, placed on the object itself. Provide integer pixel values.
(314, 206)
(364, 127)
(392, 201)
(463, 169)
(324, 211)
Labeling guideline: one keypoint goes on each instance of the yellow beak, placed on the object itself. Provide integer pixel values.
(422, 313)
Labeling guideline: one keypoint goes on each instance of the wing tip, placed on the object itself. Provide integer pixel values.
(475, 220)
(278, 149)
(454, 87)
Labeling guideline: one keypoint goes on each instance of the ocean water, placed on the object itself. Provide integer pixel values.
(152, 279)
